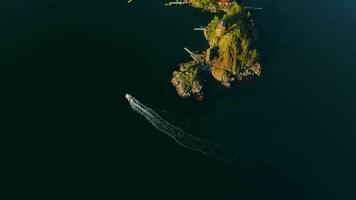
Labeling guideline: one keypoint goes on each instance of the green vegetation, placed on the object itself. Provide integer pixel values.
(227, 58)
(188, 73)
(233, 9)
(187, 80)
(231, 54)
(217, 5)
(210, 30)
(210, 5)
(233, 36)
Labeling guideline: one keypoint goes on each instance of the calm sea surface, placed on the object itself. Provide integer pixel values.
(66, 66)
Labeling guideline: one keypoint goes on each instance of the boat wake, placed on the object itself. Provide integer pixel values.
(180, 136)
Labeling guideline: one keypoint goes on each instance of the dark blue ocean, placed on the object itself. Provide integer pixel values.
(65, 67)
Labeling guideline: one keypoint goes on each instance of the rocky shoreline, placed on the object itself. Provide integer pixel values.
(231, 54)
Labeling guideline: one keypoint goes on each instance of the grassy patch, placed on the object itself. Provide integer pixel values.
(188, 72)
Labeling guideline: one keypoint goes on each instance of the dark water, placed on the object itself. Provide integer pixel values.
(65, 67)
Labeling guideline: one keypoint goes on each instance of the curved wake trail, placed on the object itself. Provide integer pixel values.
(180, 136)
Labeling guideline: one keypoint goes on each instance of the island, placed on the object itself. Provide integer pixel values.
(231, 55)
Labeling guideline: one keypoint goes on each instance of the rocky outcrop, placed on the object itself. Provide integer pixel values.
(213, 6)
(231, 54)
(187, 81)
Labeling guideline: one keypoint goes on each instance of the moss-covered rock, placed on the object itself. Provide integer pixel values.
(231, 54)
(208, 5)
(233, 37)
(213, 5)
(187, 80)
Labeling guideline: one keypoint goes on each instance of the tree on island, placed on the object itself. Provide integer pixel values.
(231, 54)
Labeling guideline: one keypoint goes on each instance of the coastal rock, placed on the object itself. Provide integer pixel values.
(223, 76)
(231, 54)
(211, 5)
(187, 81)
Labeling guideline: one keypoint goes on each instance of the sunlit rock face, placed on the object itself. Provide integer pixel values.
(231, 54)
(187, 81)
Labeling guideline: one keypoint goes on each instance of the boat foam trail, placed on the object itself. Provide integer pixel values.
(179, 135)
